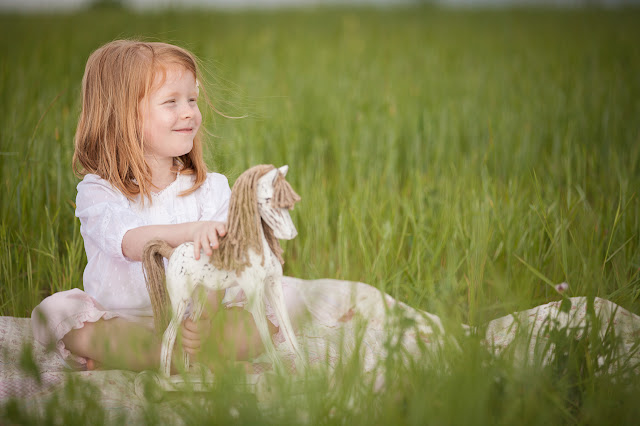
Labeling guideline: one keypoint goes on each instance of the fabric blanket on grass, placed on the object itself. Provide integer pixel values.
(33, 375)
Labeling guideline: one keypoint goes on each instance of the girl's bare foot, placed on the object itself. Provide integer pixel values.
(92, 364)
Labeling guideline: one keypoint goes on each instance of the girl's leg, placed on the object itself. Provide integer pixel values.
(75, 321)
(73, 318)
(115, 343)
(224, 334)
(119, 343)
(235, 336)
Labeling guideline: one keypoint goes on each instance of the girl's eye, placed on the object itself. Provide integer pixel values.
(170, 101)
(193, 100)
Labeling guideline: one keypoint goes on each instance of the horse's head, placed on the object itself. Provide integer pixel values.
(275, 198)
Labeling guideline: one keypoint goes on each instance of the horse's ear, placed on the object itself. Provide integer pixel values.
(284, 170)
(270, 176)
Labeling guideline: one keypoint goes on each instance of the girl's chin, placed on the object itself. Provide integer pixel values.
(184, 151)
(174, 151)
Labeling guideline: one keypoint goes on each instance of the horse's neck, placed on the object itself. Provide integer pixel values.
(270, 257)
(266, 248)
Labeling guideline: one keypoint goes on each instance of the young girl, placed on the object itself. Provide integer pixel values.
(138, 147)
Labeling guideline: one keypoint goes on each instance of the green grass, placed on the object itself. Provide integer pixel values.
(458, 160)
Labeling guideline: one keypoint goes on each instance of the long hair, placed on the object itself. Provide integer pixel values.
(109, 139)
(243, 233)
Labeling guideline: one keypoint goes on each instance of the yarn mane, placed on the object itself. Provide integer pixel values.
(243, 226)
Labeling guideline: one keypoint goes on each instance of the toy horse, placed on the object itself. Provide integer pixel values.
(249, 255)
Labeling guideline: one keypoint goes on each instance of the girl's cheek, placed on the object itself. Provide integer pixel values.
(169, 118)
(197, 119)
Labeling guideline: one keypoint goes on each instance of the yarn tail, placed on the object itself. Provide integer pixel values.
(153, 256)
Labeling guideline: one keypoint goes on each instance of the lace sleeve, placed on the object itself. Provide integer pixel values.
(105, 216)
(214, 198)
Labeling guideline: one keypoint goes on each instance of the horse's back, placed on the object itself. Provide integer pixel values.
(184, 273)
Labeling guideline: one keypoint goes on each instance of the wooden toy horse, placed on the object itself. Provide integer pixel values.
(249, 255)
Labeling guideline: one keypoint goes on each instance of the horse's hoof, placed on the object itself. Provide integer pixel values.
(150, 386)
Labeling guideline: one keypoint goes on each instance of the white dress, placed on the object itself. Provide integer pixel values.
(115, 281)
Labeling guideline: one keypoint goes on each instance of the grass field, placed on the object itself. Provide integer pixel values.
(461, 161)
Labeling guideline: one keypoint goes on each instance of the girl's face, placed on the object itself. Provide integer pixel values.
(170, 116)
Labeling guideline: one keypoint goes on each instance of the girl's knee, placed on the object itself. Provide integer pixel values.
(81, 340)
(58, 313)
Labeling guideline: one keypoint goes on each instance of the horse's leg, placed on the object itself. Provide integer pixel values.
(255, 305)
(169, 338)
(276, 299)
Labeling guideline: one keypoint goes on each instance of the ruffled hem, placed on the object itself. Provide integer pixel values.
(74, 323)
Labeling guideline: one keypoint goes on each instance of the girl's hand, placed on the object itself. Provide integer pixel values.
(205, 236)
(193, 332)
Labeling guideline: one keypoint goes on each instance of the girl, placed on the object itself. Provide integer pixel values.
(138, 147)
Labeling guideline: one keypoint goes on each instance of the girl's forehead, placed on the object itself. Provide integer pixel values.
(166, 75)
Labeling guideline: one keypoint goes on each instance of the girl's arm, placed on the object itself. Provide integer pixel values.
(204, 235)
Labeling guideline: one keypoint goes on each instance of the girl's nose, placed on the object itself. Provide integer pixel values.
(187, 111)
